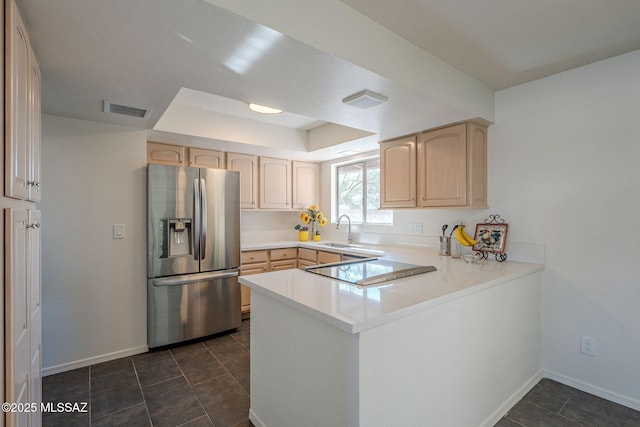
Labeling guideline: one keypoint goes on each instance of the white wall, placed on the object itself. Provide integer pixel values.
(563, 169)
(93, 287)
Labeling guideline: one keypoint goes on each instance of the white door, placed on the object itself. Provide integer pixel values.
(35, 313)
(23, 313)
(17, 337)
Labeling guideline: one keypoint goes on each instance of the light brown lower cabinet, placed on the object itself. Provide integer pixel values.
(327, 257)
(307, 257)
(283, 259)
(252, 262)
(262, 261)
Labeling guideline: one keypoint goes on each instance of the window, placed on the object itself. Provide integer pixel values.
(358, 192)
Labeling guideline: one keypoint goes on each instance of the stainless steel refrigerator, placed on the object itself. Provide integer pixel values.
(193, 253)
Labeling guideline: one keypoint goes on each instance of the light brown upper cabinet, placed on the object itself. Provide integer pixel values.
(22, 111)
(247, 165)
(442, 167)
(275, 183)
(451, 168)
(265, 182)
(477, 165)
(166, 154)
(202, 158)
(305, 184)
(398, 173)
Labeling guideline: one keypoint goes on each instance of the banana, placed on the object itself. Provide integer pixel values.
(463, 238)
(470, 239)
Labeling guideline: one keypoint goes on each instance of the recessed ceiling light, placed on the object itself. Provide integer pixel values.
(264, 110)
(365, 99)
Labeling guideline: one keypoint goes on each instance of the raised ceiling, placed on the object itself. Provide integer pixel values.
(505, 42)
(438, 61)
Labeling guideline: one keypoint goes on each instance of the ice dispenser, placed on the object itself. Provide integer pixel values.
(177, 237)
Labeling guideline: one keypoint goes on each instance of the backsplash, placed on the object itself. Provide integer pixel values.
(266, 226)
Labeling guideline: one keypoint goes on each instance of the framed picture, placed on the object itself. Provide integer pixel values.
(491, 238)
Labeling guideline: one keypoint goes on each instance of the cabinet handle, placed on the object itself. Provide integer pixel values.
(34, 183)
(251, 258)
(34, 225)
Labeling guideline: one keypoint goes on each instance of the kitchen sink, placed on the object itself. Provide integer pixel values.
(341, 245)
(351, 247)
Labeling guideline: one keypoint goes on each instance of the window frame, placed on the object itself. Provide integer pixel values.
(363, 162)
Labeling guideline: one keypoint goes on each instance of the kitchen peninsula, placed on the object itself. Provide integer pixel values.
(406, 352)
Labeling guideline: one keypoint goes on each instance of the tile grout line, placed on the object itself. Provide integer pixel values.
(227, 370)
(564, 404)
(190, 386)
(146, 408)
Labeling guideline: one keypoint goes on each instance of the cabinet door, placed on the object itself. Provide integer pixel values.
(285, 264)
(327, 257)
(165, 154)
(398, 173)
(306, 263)
(17, 313)
(245, 299)
(308, 255)
(201, 158)
(305, 184)
(250, 257)
(247, 165)
(442, 166)
(476, 165)
(280, 254)
(34, 130)
(275, 183)
(17, 108)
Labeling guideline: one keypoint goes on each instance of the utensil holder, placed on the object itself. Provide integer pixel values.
(445, 246)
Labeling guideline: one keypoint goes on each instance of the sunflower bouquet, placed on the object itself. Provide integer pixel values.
(314, 217)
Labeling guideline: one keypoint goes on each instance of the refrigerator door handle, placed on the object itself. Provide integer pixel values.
(196, 214)
(193, 278)
(203, 204)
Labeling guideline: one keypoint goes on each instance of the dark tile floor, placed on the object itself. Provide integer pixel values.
(551, 404)
(198, 384)
(207, 383)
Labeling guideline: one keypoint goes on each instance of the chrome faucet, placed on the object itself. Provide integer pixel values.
(349, 236)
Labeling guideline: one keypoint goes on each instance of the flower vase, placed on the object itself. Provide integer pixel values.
(303, 236)
(317, 238)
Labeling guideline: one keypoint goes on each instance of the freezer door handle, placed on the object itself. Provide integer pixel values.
(196, 214)
(203, 203)
(193, 278)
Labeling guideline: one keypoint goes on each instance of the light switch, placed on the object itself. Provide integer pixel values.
(118, 231)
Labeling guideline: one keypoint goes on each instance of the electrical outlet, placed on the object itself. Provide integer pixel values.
(415, 227)
(588, 346)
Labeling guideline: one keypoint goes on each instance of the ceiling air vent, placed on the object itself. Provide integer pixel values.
(126, 110)
(365, 99)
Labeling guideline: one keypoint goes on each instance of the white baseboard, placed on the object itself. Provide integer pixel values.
(512, 400)
(50, 370)
(255, 419)
(592, 389)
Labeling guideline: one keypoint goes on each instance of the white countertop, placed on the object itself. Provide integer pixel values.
(353, 308)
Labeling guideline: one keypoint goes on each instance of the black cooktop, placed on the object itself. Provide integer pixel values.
(369, 272)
